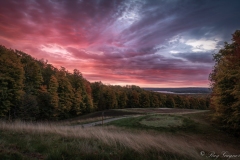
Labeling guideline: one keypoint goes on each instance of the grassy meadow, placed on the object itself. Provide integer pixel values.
(147, 136)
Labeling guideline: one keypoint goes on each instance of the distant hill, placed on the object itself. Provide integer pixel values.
(190, 90)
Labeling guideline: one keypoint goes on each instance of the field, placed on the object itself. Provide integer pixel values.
(166, 134)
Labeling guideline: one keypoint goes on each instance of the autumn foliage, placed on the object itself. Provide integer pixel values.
(32, 89)
(225, 78)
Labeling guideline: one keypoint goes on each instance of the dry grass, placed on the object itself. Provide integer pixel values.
(113, 136)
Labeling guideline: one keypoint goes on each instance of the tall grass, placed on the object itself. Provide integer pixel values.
(140, 141)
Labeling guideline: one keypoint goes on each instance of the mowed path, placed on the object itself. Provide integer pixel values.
(100, 122)
(146, 111)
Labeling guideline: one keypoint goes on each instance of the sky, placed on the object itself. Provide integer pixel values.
(148, 43)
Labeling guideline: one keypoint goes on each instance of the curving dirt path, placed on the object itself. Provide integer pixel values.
(156, 111)
(100, 122)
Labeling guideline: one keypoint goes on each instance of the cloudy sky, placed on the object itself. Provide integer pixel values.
(149, 43)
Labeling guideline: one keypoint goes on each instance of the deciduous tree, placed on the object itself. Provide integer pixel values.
(225, 78)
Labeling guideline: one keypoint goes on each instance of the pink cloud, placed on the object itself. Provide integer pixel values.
(105, 40)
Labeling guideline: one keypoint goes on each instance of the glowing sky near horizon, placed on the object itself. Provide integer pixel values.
(149, 43)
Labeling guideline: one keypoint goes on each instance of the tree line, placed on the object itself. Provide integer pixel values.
(131, 96)
(32, 89)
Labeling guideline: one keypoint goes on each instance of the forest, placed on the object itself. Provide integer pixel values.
(35, 90)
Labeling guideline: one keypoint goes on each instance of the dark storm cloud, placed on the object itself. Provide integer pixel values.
(163, 19)
(197, 57)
